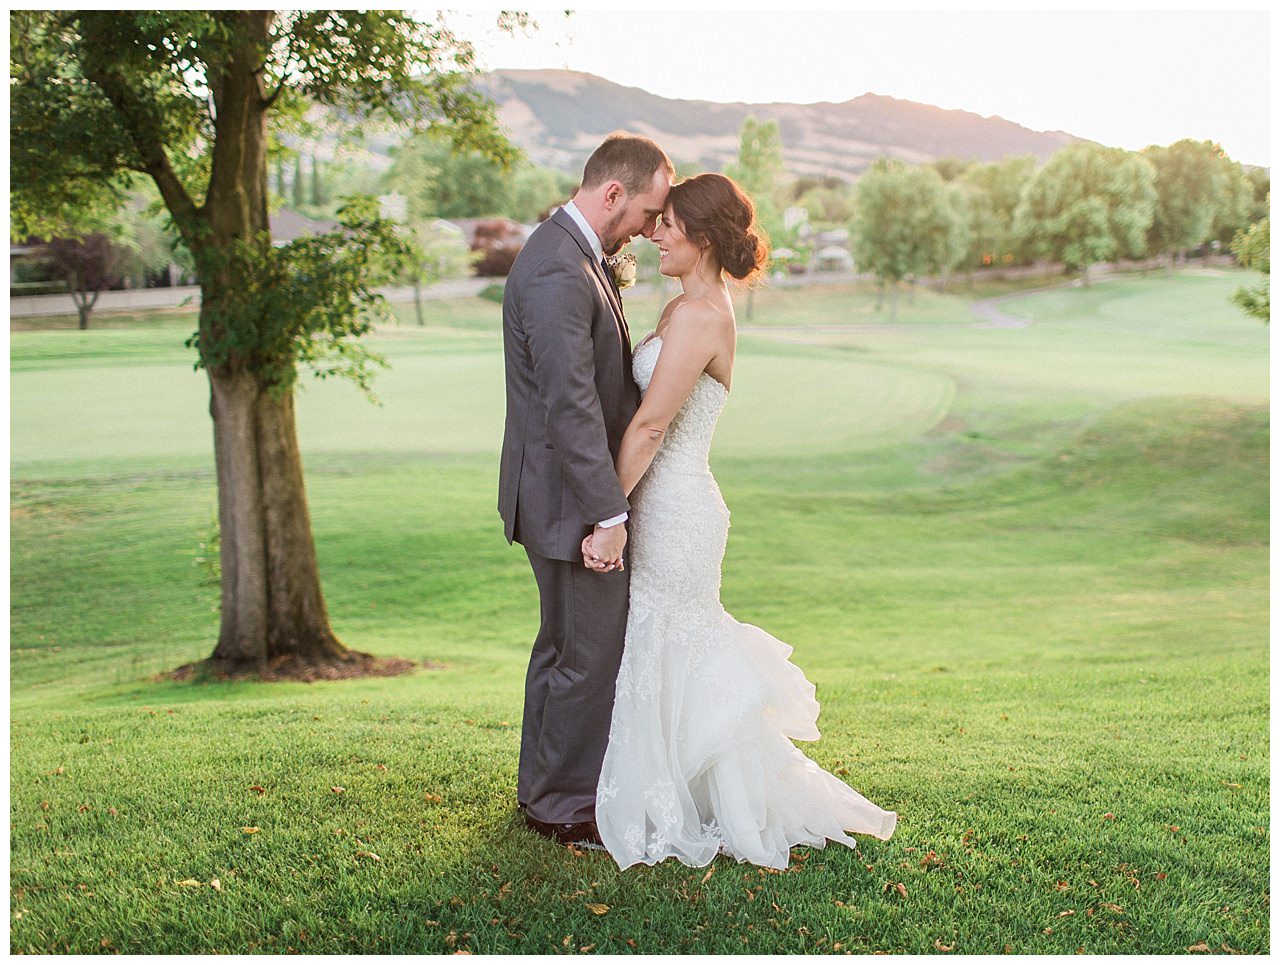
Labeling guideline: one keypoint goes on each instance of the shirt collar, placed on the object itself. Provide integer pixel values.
(580, 220)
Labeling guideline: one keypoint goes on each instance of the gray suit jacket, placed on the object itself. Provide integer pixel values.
(570, 394)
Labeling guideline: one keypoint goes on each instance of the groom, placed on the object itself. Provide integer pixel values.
(570, 395)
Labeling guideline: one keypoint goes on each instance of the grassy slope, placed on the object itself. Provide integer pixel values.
(1037, 623)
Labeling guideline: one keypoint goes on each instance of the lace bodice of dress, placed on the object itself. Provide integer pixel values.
(688, 439)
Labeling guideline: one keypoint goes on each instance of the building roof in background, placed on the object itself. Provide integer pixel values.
(288, 225)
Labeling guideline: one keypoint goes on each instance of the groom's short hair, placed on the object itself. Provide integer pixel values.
(630, 158)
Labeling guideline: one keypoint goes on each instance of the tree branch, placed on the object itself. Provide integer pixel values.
(154, 161)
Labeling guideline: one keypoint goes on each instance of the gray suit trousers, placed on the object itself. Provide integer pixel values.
(568, 700)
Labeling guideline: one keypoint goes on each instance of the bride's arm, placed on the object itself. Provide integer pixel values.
(689, 343)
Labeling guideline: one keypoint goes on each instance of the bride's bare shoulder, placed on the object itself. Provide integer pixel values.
(706, 314)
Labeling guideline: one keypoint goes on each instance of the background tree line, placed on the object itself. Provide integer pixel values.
(1088, 204)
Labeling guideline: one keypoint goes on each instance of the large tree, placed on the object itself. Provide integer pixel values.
(1194, 189)
(907, 224)
(186, 97)
(1088, 204)
(759, 170)
(440, 181)
(992, 192)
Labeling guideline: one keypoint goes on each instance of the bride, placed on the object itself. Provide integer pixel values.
(700, 758)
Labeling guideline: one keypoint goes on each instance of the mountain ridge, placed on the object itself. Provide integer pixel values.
(558, 116)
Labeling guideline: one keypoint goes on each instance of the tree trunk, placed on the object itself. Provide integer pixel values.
(417, 303)
(84, 306)
(272, 605)
(880, 295)
(317, 192)
(893, 304)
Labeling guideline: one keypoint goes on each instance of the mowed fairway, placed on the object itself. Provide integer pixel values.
(1025, 567)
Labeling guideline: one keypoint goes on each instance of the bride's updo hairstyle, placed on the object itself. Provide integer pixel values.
(713, 210)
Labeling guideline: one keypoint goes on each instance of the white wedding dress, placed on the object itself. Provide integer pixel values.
(700, 759)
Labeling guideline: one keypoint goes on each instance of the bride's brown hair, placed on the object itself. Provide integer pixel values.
(713, 210)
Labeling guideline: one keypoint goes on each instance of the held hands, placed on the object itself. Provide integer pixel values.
(602, 550)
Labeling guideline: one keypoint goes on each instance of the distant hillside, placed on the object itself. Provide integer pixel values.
(559, 116)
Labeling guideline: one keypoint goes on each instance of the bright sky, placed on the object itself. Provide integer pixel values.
(1125, 79)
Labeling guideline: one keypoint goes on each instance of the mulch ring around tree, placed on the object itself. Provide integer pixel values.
(294, 668)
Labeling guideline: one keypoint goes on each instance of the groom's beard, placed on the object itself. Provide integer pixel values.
(610, 243)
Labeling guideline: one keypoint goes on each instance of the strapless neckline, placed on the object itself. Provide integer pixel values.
(655, 337)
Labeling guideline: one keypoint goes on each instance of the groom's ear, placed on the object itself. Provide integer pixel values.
(614, 193)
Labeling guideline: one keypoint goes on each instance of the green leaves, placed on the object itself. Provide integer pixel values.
(1253, 250)
(98, 94)
(1088, 204)
(908, 222)
(305, 302)
(385, 63)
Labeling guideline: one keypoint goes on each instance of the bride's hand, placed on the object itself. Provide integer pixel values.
(591, 560)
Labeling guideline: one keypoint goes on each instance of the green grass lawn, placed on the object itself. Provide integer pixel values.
(1027, 570)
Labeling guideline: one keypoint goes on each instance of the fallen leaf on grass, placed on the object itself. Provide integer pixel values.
(586, 948)
(338, 790)
(251, 830)
(931, 860)
(1110, 907)
(1064, 914)
(631, 942)
(258, 789)
(596, 908)
(432, 798)
(189, 883)
(1199, 947)
(1062, 886)
(937, 943)
(1108, 816)
(707, 876)
(367, 854)
(897, 886)
(215, 884)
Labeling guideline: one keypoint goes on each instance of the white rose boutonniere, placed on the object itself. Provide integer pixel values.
(623, 269)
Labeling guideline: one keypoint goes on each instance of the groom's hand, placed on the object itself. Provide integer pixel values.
(591, 559)
(605, 544)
